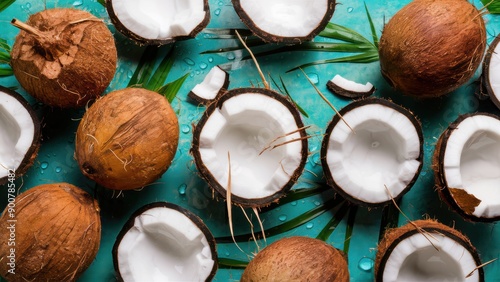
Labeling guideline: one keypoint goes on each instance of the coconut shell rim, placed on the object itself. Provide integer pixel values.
(437, 159)
(336, 119)
(197, 99)
(189, 214)
(210, 179)
(485, 81)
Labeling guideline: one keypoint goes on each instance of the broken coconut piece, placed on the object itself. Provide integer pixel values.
(426, 250)
(468, 168)
(284, 21)
(216, 81)
(164, 242)
(259, 133)
(19, 135)
(374, 153)
(490, 78)
(158, 22)
(348, 88)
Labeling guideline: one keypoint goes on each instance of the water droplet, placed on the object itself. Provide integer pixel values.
(423, 173)
(58, 169)
(230, 56)
(221, 3)
(217, 12)
(309, 225)
(350, 9)
(197, 72)
(28, 5)
(317, 203)
(130, 73)
(375, 144)
(77, 3)
(44, 165)
(191, 117)
(282, 217)
(185, 128)
(313, 77)
(203, 66)
(366, 264)
(189, 62)
(182, 189)
(294, 203)
(210, 59)
(227, 254)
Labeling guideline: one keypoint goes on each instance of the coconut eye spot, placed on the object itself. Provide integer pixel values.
(164, 245)
(160, 19)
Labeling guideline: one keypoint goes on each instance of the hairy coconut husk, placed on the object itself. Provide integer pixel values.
(64, 57)
(127, 139)
(298, 259)
(57, 234)
(431, 47)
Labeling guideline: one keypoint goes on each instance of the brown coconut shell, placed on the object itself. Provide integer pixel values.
(458, 199)
(208, 176)
(297, 258)
(431, 47)
(57, 232)
(30, 156)
(64, 57)
(137, 38)
(127, 139)
(394, 236)
(273, 38)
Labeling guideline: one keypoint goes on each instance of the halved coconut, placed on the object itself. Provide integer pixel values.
(427, 250)
(468, 167)
(285, 21)
(19, 135)
(373, 153)
(259, 133)
(214, 83)
(490, 78)
(157, 22)
(348, 88)
(164, 242)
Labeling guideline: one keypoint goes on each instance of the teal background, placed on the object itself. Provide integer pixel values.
(181, 183)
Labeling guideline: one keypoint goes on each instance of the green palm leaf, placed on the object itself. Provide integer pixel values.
(367, 57)
(5, 3)
(493, 6)
(6, 71)
(171, 89)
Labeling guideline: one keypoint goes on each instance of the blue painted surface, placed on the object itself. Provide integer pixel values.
(181, 184)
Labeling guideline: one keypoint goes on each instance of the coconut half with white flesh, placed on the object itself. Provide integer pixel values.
(348, 88)
(252, 142)
(157, 22)
(19, 135)
(165, 242)
(214, 84)
(426, 250)
(374, 153)
(468, 168)
(285, 21)
(490, 78)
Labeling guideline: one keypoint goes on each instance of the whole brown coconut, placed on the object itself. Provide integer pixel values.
(297, 259)
(127, 139)
(51, 233)
(64, 57)
(431, 47)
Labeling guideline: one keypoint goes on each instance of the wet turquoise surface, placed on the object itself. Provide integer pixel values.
(181, 183)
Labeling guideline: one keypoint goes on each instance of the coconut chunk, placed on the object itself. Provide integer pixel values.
(158, 21)
(164, 242)
(214, 83)
(375, 154)
(348, 88)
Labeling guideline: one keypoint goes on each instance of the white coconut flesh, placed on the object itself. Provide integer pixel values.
(286, 18)
(432, 257)
(494, 72)
(243, 127)
(160, 19)
(164, 245)
(472, 163)
(378, 158)
(17, 132)
(213, 82)
(350, 85)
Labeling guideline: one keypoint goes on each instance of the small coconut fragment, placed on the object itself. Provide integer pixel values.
(490, 78)
(19, 135)
(64, 57)
(426, 250)
(431, 47)
(165, 242)
(56, 230)
(297, 258)
(127, 139)
(374, 153)
(467, 167)
(158, 22)
(214, 84)
(348, 88)
(284, 21)
(262, 132)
